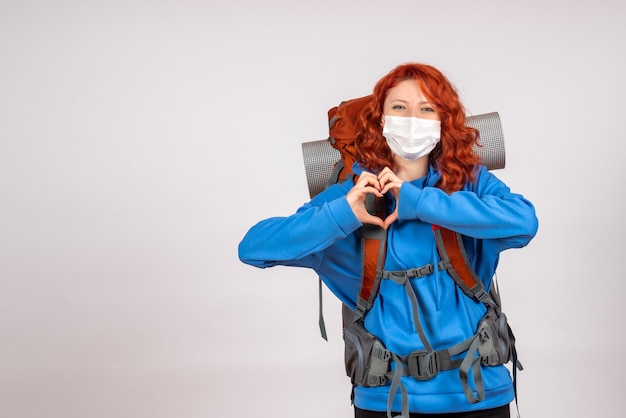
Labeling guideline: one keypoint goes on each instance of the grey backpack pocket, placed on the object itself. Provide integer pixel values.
(366, 359)
(497, 340)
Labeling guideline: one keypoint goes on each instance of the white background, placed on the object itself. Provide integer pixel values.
(139, 140)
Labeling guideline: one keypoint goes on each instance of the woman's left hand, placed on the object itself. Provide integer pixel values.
(390, 182)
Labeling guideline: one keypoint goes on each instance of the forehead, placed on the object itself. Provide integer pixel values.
(408, 90)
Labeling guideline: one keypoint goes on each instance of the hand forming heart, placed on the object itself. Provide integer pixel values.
(369, 183)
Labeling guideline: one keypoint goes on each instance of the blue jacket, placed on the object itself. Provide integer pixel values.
(324, 235)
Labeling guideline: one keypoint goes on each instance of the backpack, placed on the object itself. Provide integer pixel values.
(367, 361)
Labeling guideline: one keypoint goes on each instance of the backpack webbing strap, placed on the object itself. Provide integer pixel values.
(321, 322)
(454, 259)
(424, 365)
(396, 383)
(402, 278)
(471, 362)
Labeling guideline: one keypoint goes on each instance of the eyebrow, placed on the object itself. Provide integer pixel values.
(406, 101)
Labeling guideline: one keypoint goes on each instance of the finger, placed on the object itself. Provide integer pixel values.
(374, 220)
(372, 189)
(357, 195)
(390, 219)
(393, 186)
(369, 180)
(387, 176)
(366, 188)
(366, 175)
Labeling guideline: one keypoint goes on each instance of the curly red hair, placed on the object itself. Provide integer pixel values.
(453, 156)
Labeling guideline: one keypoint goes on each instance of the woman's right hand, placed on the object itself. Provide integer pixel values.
(367, 183)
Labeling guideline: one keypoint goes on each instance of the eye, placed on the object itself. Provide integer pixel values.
(428, 109)
(398, 107)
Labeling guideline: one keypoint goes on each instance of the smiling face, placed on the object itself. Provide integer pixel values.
(407, 99)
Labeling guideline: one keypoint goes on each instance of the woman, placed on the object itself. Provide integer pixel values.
(414, 151)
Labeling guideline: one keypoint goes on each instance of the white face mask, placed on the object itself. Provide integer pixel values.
(409, 137)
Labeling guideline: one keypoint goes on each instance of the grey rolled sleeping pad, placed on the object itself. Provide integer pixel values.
(320, 157)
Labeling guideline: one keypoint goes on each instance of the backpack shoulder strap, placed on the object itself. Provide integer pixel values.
(454, 259)
(373, 250)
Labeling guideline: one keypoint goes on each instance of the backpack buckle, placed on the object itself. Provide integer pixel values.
(419, 272)
(423, 365)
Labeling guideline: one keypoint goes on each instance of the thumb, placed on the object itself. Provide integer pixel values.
(373, 220)
(390, 219)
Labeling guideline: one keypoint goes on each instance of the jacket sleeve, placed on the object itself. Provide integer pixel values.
(299, 239)
(486, 209)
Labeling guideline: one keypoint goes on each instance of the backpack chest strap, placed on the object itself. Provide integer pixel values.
(402, 277)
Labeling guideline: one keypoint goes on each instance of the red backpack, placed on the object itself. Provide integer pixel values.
(330, 161)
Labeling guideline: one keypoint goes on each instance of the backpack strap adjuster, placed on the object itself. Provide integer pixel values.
(423, 365)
